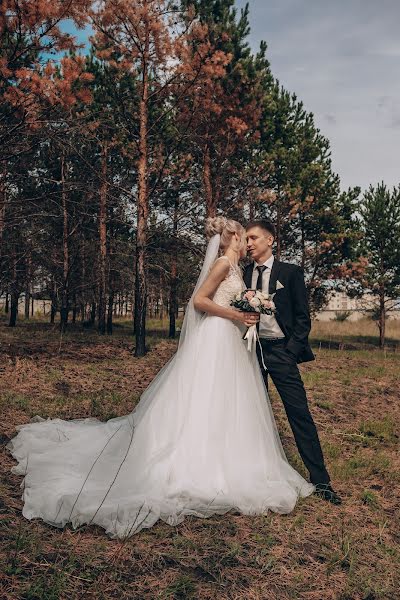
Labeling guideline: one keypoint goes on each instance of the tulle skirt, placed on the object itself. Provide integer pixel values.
(201, 441)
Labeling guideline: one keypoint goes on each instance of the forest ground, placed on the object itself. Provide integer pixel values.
(319, 551)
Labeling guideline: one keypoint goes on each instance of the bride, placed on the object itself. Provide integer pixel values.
(202, 439)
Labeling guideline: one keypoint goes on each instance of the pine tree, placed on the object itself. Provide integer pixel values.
(224, 106)
(380, 214)
(30, 83)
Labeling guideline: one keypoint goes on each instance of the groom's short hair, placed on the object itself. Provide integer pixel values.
(263, 224)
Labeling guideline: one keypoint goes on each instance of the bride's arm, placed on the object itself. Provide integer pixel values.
(202, 300)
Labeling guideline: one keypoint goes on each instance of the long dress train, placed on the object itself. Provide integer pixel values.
(201, 441)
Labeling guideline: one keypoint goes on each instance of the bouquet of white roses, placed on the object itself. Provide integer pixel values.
(254, 301)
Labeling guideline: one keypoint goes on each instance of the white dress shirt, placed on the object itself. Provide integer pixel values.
(269, 327)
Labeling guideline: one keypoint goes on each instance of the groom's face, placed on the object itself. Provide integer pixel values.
(259, 244)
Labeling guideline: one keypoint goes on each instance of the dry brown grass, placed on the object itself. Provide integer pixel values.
(364, 333)
(317, 552)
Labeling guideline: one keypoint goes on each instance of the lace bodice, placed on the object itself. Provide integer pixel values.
(228, 288)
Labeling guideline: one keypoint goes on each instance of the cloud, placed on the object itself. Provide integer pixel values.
(331, 119)
(395, 121)
(342, 60)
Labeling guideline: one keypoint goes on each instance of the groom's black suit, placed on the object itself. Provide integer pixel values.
(281, 356)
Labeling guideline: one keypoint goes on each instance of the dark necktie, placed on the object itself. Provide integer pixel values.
(260, 270)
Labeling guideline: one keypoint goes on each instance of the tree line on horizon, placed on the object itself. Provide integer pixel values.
(111, 161)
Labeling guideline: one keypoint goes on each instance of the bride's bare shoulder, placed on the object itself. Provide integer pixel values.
(223, 260)
(221, 265)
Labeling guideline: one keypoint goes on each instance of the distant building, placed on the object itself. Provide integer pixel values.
(359, 308)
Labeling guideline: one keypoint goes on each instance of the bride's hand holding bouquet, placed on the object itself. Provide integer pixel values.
(253, 301)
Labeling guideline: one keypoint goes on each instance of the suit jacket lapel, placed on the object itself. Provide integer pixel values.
(274, 276)
(276, 267)
(247, 275)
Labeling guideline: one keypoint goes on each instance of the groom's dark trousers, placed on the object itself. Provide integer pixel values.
(281, 357)
(284, 372)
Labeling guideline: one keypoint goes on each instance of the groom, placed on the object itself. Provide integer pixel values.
(284, 343)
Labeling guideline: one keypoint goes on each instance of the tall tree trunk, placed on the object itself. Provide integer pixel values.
(110, 313)
(7, 304)
(174, 270)
(142, 208)
(53, 310)
(161, 309)
(103, 242)
(207, 182)
(14, 308)
(110, 303)
(382, 315)
(74, 308)
(53, 298)
(303, 242)
(14, 291)
(110, 275)
(278, 225)
(92, 318)
(64, 292)
(28, 287)
(27, 302)
(3, 202)
(172, 297)
(82, 295)
(216, 186)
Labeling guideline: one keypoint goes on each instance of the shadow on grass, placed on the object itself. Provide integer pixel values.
(360, 342)
(37, 337)
(123, 327)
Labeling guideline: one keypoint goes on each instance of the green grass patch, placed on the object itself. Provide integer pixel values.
(362, 465)
(183, 588)
(331, 450)
(324, 404)
(15, 400)
(370, 498)
(380, 430)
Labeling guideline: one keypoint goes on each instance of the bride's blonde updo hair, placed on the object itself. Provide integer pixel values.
(225, 227)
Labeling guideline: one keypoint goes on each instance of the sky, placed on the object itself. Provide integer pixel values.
(342, 59)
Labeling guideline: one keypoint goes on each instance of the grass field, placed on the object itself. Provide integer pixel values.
(317, 552)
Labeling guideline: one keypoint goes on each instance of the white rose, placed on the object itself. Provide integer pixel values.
(255, 302)
(269, 304)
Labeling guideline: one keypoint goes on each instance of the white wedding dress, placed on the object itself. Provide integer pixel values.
(201, 441)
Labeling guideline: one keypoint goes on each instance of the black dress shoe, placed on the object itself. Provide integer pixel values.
(325, 491)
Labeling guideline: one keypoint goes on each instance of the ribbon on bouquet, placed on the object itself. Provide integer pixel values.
(252, 337)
